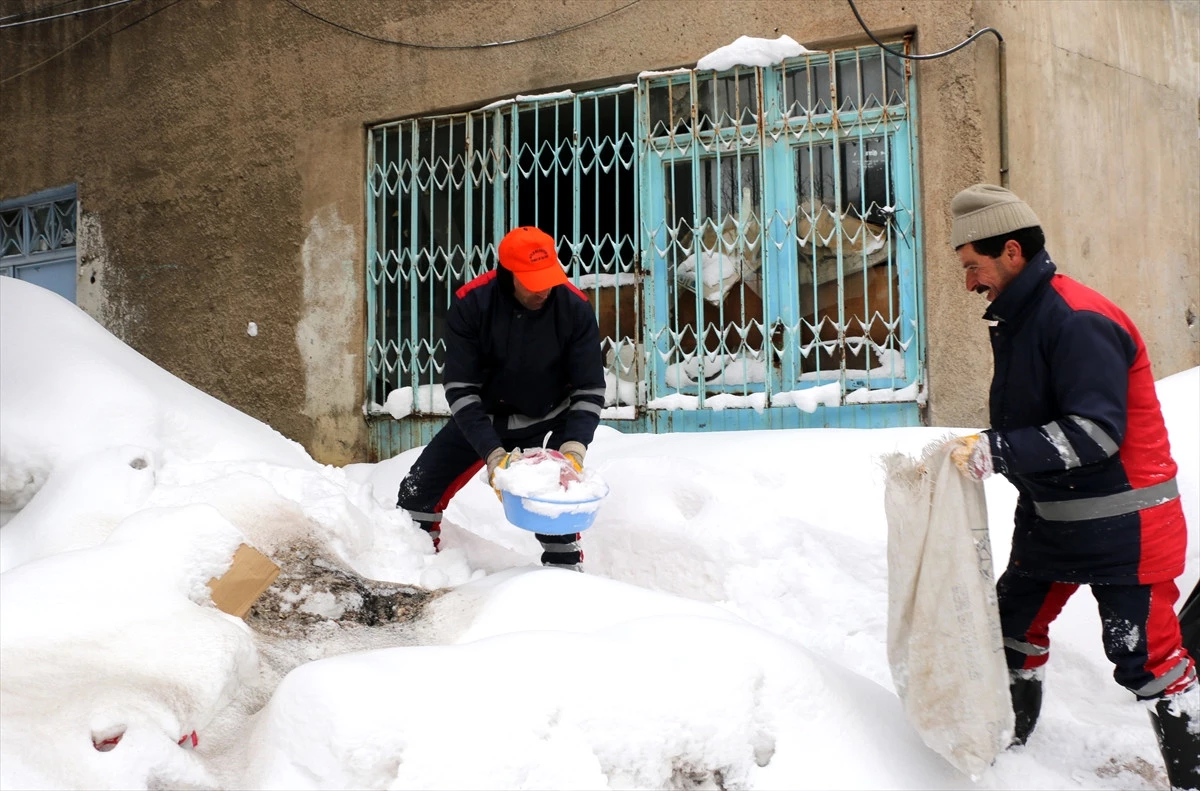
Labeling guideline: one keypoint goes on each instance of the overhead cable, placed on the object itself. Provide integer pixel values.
(41, 10)
(1001, 68)
(65, 13)
(488, 45)
(931, 55)
(91, 33)
(142, 19)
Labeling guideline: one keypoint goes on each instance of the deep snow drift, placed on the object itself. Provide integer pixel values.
(730, 629)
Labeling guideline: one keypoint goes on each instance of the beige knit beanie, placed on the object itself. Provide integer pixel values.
(985, 210)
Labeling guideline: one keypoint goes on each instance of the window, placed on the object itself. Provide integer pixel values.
(37, 240)
(748, 239)
(443, 191)
(785, 233)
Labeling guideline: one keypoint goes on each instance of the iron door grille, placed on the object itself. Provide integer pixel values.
(749, 241)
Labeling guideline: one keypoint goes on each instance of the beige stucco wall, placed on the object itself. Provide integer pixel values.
(1102, 102)
(219, 150)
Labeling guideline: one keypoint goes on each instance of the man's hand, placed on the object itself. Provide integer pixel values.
(497, 459)
(960, 450)
(493, 462)
(972, 455)
(574, 451)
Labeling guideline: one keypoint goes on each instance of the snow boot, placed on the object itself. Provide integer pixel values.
(1025, 688)
(1176, 721)
(561, 552)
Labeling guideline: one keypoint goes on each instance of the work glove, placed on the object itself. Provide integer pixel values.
(574, 451)
(972, 455)
(498, 459)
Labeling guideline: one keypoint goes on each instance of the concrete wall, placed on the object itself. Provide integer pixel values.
(219, 149)
(1104, 146)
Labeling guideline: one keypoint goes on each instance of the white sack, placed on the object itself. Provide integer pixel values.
(944, 644)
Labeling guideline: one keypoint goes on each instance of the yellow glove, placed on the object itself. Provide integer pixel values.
(499, 459)
(960, 452)
(575, 452)
(972, 455)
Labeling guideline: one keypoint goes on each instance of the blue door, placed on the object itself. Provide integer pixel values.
(37, 240)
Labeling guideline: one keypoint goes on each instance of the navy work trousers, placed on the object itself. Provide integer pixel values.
(1141, 631)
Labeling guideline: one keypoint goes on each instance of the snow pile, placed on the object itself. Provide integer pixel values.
(587, 712)
(82, 501)
(98, 432)
(730, 631)
(116, 643)
(747, 51)
(548, 679)
(94, 392)
(125, 491)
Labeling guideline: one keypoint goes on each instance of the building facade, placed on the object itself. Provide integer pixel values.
(275, 199)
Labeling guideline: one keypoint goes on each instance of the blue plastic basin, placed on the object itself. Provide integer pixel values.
(517, 510)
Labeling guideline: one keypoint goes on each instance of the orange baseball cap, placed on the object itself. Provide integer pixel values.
(529, 254)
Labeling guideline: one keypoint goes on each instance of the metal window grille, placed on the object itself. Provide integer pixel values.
(748, 240)
(37, 239)
(444, 190)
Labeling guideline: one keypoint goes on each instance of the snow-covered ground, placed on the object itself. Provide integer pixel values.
(730, 630)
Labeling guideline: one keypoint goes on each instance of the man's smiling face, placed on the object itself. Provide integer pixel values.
(987, 275)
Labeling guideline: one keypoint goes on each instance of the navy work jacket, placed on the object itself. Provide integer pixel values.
(516, 372)
(1078, 430)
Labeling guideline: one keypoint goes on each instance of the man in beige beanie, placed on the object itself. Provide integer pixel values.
(1077, 429)
(985, 212)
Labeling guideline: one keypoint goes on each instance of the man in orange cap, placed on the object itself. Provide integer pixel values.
(523, 361)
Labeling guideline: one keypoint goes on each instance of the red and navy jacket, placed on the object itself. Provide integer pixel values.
(1077, 428)
(514, 371)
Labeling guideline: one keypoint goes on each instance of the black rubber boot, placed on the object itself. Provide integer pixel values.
(1179, 738)
(1189, 622)
(1025, 688)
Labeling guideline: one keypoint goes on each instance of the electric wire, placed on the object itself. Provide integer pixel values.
(42, 10)
(931, 55)
(65, 13)
(142, 19)
(70, 46)
(91, 33)
(489, 45)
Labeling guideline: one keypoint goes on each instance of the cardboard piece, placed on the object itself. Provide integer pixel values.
(248, 577)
